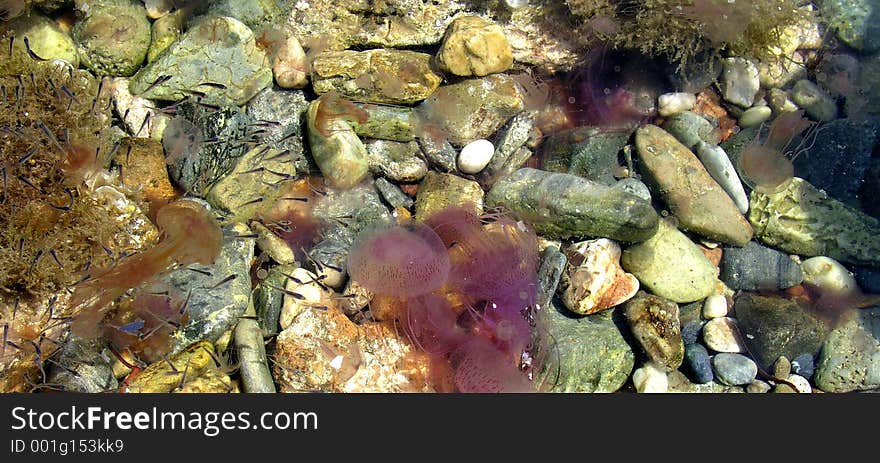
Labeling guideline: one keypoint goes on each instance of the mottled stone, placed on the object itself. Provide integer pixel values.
(564, 205)
(734, 369)
(165, 31)
(376, 76)
(439, 191)
(715, 306)
(323, 351)
(471, 109)
(588, 152)
(45, 38)
(216, 49)
(303, 291)
(722, 335)
(594, 280)
(850, 358)
(818, 104)
(113, 38)
(670, 265)
(396, 160)
(693, 196)
(254, 13)
(675, 102)
(801, 219)
(553, 264)
(386, 122)
(679, 383)
(183, 371)
(474, 47)
(284, 109)
(854, 22)
(754, 267)
(268, 298)
(654, 322)
(774, 326)
(584, 354)
(272, 245)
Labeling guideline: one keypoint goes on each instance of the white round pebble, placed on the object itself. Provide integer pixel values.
(828, 274)
(722, 335)
(675, 102)
(715, 306)
(475, 156)
(650, 379)
(801, 384)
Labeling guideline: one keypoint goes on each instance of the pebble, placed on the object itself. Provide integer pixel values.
(341, 155)
(589, 152)
(818, 104)
(670, 265)
(803, 365)
(754, 116)
(634, 186)
(780, 101)
(815, 225)
(734, 369)
(510, 140)
(654, 323)
(715, 306)
(698, 363)
(722, 335)
(310, 296)
(739, 81)
(594, 279)
(780, 71)
(392, 194)
(564, 205)
(801, 384)
(690, 332)
(45, 38)
(782, 367)
(758, 387)
(868, 279)
(231, 192)
(474, 47)
(674, 103)
(701, 206)
(754, 267)
(165, 31)
(718, 164)
(475, 156)
(553, 264)
(650, 379)
(289, 65)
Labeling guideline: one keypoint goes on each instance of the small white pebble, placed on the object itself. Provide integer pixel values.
(475, 156)
(650, 379)
(715, 306)
(722, 335)
(754, 116)
(676, 102)
(828, 274)
(801, 384)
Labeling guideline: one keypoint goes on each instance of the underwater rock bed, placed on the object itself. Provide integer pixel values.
(415, 196)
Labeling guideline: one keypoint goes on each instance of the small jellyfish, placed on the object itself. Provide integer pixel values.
(403, 261)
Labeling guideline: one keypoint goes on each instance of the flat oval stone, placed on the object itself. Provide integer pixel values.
(722, 335)
(734, 369)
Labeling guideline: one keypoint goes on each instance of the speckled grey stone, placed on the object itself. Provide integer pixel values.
(755, 267)
(86, 366)
(850, 358)
(588, 152)
(734, 369)
(698, 364)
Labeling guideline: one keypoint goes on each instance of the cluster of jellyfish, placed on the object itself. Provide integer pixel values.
(462, 287)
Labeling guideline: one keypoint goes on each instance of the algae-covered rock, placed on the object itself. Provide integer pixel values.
(850, 358)
(113, 38)
(693, 196)
(563, 205)
(253, 185)
(376, 76)
(396, 160)
(801, 219)
(670, 265)
(584, 354)
(439, 191)
(182, 369)
(217, 49)
(589, 152)
(165, 31)
(45, 38)
(386, 122)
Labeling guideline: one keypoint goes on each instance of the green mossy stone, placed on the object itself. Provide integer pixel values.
(236, 190)
(45, 38)
(564, 206)
(439, 191)
(587, 152)
(114, 37)
(800, 219)
(850, 358)
(341, 155)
